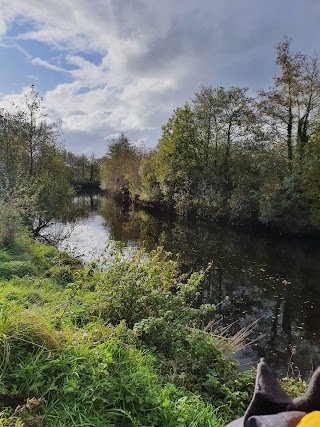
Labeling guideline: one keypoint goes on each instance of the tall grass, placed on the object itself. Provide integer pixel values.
(10, 224)
(121, 345)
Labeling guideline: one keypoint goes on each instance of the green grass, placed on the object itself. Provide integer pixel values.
(118, 346)
(117, 342)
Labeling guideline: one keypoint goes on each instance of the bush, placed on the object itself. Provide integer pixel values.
(159, 304)
(293, 386)
(10, 224)
(133, 289)
(196, 360)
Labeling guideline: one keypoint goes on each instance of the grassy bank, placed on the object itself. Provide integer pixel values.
(82, 346)
(121, 345)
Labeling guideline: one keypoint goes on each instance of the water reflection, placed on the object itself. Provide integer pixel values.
(252, 276)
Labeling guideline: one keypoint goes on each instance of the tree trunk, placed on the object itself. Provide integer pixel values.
(289, 139)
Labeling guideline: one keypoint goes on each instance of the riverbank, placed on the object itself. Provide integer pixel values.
(251, 225)
(82, 345)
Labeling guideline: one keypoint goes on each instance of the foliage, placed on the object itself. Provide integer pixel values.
(294, 387)
(135, 288)
(10, 224)
(70, 355)
(81, 168)
(117, 342)
(150, 188)
(120, 167)
(251, 160)
(34, 178)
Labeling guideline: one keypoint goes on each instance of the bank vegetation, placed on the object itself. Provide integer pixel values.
(235, 156)
(106, 344)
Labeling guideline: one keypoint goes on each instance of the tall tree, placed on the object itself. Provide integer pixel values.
(308, 103)
(290, 104)
(179, 158)
(224, 117)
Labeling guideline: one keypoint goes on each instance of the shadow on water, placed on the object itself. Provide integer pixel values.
(252, 277)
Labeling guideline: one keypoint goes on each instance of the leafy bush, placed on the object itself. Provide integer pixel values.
(133, 289)
(159, 304)
(10, 224)
(196, 360)
(295, 387)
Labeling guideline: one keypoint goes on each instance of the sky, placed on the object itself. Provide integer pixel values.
(110, 66)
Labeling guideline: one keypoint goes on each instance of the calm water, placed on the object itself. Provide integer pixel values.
(275, 280)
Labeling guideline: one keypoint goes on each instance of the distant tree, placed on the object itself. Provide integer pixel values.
(82, 169)
(119, 168)
(150, 186)
(310, 178)
(193, 156)
(230, 156)
(94, 165)
(9, 150)
(178, 152)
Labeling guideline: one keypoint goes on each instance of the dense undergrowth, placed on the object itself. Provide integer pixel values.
(121, 345)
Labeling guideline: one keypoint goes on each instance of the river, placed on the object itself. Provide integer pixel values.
(273, 280)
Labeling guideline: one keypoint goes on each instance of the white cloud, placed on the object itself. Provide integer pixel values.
(16, 46)
(87, 72)
(118, 93)
(12, 101)
(41, 62)
(33, 77)
(153, 54)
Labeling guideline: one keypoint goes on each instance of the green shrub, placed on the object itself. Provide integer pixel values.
(137, 288)
(295, 387)
(10, 224)
(196, 360)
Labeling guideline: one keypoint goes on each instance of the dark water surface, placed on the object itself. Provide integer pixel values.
(273, 279)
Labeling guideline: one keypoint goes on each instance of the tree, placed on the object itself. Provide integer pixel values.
(179, 158)
(8, 149)
(120, 167)
(224, 117)
(310, 177)
(308, 103)
(34, 176)
(179, 154)
(290, 106)
(194, 152)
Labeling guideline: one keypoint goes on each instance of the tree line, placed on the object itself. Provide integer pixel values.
(232, 156)
(227, 155)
